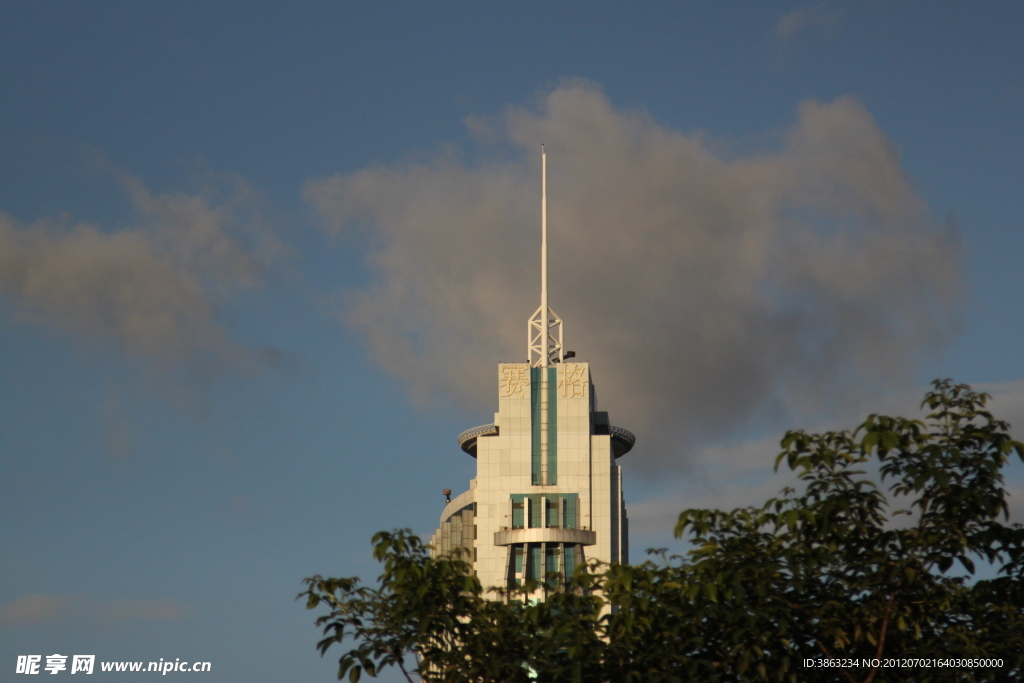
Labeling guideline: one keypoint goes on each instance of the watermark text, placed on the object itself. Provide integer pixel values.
(86, 664)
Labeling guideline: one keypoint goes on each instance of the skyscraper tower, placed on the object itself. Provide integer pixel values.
(547, 495)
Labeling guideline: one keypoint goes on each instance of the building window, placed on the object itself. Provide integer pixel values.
(553, 505)
(517, 514)
(551, 564)
(559, 511)
(534, 568)
(517, 565)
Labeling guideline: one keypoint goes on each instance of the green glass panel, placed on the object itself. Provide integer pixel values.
(554, 503)
(569, 508)
(552, 426)
(535, 424)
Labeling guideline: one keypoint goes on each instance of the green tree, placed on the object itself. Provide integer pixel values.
(867, 565)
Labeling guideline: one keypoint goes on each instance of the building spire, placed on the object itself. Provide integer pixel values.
(544, 347)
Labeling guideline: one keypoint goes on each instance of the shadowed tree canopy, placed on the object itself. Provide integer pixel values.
(863, 574)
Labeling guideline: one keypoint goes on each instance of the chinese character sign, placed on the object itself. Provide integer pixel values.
(512, 380)
(573, 380)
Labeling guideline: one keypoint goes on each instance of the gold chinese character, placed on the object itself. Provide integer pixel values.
(512, 379)
(573, 381)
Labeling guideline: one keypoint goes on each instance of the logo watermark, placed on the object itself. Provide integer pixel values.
(86, 664)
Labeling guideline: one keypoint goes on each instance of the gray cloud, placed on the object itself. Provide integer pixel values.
(153, 288)
(1007, 404)
(741, 474)
(704, 287)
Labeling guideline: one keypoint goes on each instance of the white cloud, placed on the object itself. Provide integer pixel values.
(154, 288)
(704, 288)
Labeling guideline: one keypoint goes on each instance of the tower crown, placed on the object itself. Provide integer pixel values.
(547, 495)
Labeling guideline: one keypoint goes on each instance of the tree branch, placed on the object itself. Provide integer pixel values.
(881, 637)
(404, 672)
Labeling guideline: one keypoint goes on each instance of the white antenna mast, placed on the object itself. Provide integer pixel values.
(544, 348)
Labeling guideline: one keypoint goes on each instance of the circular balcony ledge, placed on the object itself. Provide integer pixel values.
(549, 535)
(623, 440)
(467, 439)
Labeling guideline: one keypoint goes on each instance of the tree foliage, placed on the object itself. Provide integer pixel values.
(867, 565)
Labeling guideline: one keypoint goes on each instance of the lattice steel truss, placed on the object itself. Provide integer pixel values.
(545, 339)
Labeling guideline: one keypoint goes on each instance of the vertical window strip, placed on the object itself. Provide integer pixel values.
(535, 423)
(552, 426)
(518, 516)
(535, 571)
(551, 562)
(554, 503)
(570, 510)
(517, 566)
